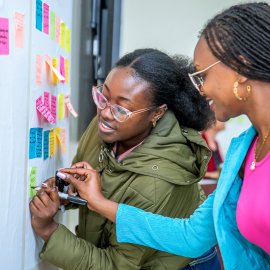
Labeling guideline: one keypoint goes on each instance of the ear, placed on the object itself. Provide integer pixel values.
(159, 112)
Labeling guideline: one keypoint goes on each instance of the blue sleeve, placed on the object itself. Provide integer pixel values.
(189, 237)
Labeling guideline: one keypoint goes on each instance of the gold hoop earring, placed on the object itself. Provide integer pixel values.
(235, 91)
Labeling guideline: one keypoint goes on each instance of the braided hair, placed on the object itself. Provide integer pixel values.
(169, 84)
(240, 38)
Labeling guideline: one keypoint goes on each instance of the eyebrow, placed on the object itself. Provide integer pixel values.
(119, 97)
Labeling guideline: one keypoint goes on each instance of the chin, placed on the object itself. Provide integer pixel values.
(107, 138)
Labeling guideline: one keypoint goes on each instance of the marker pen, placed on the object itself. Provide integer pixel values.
(71, 198)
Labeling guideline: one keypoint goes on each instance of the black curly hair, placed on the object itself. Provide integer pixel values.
(240, 38)
(169, 84)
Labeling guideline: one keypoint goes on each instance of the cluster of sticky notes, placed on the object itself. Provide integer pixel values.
(53, 73)
(49, 23)
(4, 36)
(47, 108)
(49, 140)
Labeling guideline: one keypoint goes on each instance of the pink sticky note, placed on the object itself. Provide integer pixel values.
(4, 36)
(62, 66)
(19, 30)
(46, 11)
(47, 99)
(53, 106)
(38, 69)
(57, 29)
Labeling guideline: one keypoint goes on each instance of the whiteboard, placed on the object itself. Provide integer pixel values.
(19, 92)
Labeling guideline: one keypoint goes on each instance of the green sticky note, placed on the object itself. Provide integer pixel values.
(62, 34)
(52, 25)
(32, 182)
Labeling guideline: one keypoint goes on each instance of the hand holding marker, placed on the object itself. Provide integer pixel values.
(59, 177)
(60, 185)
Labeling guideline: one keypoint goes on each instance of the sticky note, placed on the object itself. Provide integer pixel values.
(32, 181)
(47, 99)
(38, 69)
(4, 36)
(19, 30)
(70, 107)
(57, 30)
(52, 25)
(54, 65)
(62, 35)
(67, 71)
(59, 139)
(35, 143)
(52, 142)
(39, 143)
(53, 106)
(46, 139)
(61, 107)
(39, 15)
(62, 66)
(46, 12)
(67, 39)
(64, 136)
(32, 143)
(44, 111)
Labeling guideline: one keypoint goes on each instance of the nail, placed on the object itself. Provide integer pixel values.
(44, 184)
(61, 175)
(38, 188)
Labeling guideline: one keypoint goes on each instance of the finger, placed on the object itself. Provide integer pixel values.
(53, 194)
(82, 164)
(79, 171)
(50, 182)
(44, 196)
(33, 208)
(37, 202)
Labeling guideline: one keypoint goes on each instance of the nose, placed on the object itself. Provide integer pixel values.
(106, 113)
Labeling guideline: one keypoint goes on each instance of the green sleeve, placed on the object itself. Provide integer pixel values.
(67, 251)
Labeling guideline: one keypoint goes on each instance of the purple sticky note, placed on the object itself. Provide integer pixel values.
(4, 36)
(46, 12)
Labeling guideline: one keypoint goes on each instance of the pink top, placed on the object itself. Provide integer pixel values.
(253, 207)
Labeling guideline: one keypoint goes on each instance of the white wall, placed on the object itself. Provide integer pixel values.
(173, 26)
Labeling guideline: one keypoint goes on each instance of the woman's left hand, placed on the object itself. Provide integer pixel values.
(43, 208)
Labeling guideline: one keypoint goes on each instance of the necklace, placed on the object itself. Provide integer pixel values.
(257, 152)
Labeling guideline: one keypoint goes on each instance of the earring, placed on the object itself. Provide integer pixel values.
(154, 123)
(235, 91)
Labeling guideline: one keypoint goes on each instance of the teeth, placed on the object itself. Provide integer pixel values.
(105, 126)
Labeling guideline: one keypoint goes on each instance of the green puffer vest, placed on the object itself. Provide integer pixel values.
(159, 176)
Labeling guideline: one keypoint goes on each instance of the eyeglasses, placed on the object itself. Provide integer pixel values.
(119, 113)
(198, 79)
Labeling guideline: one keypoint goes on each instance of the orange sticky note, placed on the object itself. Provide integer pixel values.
(19, 30)
(54, 76)
(67, 71)
(52, 142)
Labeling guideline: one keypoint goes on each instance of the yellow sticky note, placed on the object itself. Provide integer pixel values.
(67, 70)
(52, 142)
(55, 65)
(62, 35)
(60, 140)
(67, 39)
(61, 106)
(32, 181)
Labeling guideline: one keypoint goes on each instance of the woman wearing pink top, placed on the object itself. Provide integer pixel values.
(232, 61)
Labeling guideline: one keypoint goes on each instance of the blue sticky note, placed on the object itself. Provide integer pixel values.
(46, 144)
(39, 143)
(32, 143)
(39, 15)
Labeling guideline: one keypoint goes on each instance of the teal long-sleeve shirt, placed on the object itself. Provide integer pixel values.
(168, 234)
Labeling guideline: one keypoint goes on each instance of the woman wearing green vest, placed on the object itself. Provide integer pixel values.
(145, 144)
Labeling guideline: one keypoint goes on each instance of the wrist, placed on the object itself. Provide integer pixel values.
(48, 231)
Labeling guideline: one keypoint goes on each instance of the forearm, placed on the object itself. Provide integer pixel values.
(189, 237)
(106, 208)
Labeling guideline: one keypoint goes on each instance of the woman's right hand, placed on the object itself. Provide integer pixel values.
(88, 184)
